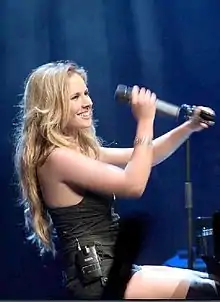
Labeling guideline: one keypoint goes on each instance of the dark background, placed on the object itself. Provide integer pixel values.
(172, 47)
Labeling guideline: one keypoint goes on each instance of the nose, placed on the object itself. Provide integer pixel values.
(87, 101)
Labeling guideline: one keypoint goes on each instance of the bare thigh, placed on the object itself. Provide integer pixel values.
(184, 272)
(177, 270)
(159, 282)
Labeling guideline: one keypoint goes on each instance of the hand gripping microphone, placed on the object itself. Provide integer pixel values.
(123, 94)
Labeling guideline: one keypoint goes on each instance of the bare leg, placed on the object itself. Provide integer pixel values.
(181, 271)
(159, 282)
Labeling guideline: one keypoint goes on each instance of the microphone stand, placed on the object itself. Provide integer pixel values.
(185, 112)
(188, 111)
(123, 93)
(189, 207)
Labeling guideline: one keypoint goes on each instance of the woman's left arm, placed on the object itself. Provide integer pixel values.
(163, 146)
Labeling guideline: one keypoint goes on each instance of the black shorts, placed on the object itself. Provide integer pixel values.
(100, 289)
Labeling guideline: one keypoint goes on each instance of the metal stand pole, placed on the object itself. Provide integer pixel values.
(189, 207)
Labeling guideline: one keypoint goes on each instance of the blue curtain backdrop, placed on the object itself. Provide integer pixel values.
(172, 47)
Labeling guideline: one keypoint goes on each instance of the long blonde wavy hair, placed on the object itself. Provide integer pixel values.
(42, 119)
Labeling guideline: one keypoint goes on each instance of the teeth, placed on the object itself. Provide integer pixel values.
(85, 115)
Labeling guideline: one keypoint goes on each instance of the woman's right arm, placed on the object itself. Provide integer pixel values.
(71, 167)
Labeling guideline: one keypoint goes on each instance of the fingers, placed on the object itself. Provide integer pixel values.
(154, 97)
(150, 96)
(205, 109)
(198, 117)
(135, 92)
(143, 103)
(142, 93)
(204, 125)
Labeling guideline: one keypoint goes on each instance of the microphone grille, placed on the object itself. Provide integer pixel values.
(123, 93)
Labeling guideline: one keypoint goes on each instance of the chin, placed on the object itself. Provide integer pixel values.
(85, 124)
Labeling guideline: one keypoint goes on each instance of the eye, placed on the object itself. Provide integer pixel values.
(75, 97)
(86, 93)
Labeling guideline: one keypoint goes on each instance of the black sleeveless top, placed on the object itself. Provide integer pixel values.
(92, 221)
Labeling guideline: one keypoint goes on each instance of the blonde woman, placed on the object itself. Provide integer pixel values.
(68, 180)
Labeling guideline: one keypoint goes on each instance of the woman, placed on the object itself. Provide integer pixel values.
(68, 180)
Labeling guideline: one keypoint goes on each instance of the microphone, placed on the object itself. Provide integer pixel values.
(123, 94)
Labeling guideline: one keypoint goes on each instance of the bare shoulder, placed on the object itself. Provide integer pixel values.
(51, 176)
(59, 159)
(58, 155)
(76, 169)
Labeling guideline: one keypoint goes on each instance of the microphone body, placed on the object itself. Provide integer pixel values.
(123, 94)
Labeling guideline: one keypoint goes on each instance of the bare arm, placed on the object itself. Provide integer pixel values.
(167, 144)
(71, 167)
(75, 169)
(163, 147)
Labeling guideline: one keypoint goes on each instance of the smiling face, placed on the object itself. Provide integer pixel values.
(80, 104)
